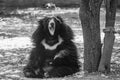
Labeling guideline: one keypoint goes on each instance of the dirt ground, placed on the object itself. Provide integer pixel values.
(16, 28)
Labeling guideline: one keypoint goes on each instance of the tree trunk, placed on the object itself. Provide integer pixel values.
(109, 36)
(1, 3)
(89, 15)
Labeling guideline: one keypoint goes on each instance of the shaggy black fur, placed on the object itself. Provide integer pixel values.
(59, 62)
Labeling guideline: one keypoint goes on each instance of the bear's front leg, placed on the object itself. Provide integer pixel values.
(31, 72)
(61, 54)
(34, 67)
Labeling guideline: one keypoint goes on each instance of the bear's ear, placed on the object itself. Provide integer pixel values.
(59, 19)
(41, 22)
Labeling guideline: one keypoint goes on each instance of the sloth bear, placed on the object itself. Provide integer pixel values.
(54, 54)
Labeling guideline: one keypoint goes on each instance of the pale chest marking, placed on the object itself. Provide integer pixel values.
(48, 47)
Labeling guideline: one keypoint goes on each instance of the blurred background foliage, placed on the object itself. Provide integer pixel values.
(39, 3)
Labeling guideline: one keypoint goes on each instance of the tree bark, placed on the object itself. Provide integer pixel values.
(1, 3)
(109, 36)
(90, 15)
